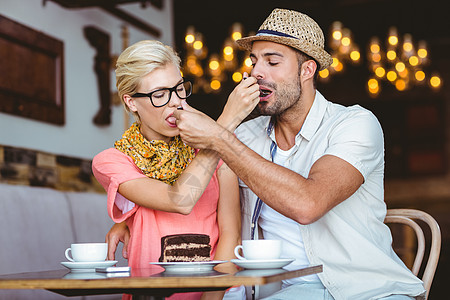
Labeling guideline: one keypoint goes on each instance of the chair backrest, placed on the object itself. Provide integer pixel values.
(408, 217)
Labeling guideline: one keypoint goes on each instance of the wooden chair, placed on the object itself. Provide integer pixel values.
(408, 217)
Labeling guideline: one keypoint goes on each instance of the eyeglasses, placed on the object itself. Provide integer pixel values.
(161, 97)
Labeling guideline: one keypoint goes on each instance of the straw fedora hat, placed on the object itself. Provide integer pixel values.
(293, 29)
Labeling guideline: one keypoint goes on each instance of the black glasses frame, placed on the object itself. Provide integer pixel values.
(171, 90)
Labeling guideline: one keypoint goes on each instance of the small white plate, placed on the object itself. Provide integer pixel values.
(262, 263)
(87, 266)
(192, 266)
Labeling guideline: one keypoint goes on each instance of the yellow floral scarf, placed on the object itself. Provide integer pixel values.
(157, 159)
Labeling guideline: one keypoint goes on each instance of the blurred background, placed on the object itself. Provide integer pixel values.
(58, 104)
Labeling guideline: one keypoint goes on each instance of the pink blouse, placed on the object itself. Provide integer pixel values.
(111, 168)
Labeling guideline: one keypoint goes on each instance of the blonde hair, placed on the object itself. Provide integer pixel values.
(137, 61)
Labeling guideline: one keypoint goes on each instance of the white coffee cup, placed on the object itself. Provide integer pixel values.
(259, 249)
(87, 252)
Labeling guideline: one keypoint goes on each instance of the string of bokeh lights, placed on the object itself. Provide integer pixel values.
(401, 63)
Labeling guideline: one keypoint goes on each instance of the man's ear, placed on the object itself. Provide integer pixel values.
(309, 68)
(129, 101)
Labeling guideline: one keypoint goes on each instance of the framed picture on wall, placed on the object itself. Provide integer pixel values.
(31, 73)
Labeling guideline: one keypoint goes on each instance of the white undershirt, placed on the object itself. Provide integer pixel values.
(276, 226)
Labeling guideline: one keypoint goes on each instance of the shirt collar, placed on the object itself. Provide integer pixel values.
(314, 117)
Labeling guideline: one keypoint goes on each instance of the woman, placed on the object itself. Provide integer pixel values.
(155, 183)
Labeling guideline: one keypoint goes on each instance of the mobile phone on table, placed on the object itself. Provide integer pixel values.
(113, 269)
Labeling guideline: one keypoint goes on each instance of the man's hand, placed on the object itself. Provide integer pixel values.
(196, 129)
(119, 232)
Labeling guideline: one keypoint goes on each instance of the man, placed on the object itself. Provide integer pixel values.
(311, 171)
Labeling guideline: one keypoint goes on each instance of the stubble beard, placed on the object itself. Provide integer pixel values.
(286, 95)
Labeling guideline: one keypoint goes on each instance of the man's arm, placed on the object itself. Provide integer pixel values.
(330, 181)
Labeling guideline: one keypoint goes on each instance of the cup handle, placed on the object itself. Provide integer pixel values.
(67, 255)
(236, 252)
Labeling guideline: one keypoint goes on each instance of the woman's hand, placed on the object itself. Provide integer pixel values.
(240, 104)
(119, 232)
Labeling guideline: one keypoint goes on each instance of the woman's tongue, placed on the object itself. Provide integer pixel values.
(172, 120)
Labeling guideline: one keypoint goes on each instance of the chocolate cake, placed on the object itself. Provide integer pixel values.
(185, 247)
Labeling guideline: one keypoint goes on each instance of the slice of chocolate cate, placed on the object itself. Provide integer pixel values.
(185, 248)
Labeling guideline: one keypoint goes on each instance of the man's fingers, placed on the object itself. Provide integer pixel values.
(187, 107)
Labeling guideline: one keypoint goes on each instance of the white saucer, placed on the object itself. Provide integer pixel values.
(84, 275)
(198, 266)
(262, 263)
(87, 266)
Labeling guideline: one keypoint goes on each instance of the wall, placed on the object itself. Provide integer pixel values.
(79, 137)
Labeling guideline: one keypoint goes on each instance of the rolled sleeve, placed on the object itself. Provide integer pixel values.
(111, 168)
(358, 139)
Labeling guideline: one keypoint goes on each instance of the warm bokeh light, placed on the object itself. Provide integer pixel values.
(346, 41)
(355, 55)
(191, 61)
(413, 60)
(214, 65)
(400, 85)
(391, 76)
(215, 84)
(335, 62)
(339, 67)
(236, 31)
(374, 91)
(248, 62)
(380, 72)
(404, 73)
(196, 70)
(373, 87)
(372, 83)
(376, 57)
(198, 45)
(420, 75)
(228, 57)
(422, 53)
(228, 50)
(190, 35)
(393, 36)
(435, 81)
(393, 40)
(237, 76)
(407, 46)
(324, 73)
(337, 34)
(391, 54)
(189, 38)
(236, 35)
(400, 67)
(374, 48)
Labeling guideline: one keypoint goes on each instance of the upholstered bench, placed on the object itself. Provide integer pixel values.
(38, 224)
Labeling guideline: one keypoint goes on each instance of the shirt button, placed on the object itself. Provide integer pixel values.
(253, 225)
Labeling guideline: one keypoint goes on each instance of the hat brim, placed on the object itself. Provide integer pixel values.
(323, 58)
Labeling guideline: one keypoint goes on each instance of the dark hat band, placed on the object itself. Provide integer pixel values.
(273, 32)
